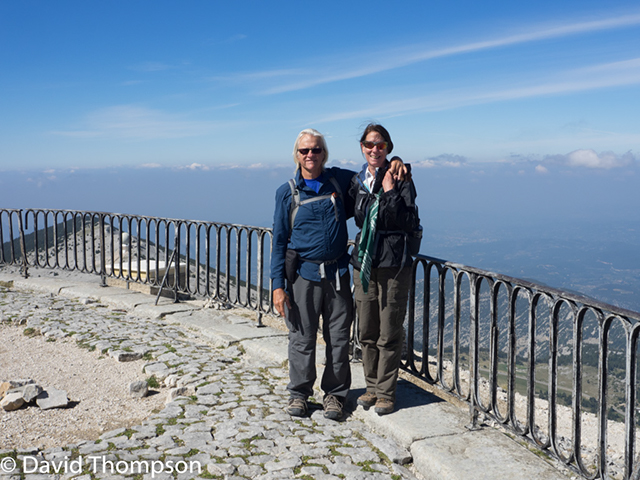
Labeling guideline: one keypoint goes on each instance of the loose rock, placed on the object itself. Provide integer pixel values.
(12, 401)
(139, 389)
(52, 398)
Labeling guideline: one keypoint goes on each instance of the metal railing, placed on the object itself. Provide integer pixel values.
(221, 261)
(553, 367)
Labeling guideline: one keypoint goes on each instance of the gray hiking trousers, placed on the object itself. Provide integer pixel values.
(309, 300)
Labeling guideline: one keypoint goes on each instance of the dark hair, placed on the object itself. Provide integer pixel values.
(374, 127)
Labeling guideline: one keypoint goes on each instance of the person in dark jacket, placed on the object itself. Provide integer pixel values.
(312, 247)
(317, 241)
(385, 212)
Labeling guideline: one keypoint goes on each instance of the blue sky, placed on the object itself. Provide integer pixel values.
(548, 86)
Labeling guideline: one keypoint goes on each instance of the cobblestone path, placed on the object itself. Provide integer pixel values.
(229, 424)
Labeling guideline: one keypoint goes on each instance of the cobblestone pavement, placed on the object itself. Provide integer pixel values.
(230, 424)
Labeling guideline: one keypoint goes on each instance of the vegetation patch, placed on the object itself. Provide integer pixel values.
(30, 332)
(153, 382)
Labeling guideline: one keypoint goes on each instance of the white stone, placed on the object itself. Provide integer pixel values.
(12, 401)
(52, 398)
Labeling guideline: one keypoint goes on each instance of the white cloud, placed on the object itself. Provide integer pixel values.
(424, 164)
(590, 159)
(444, 160)
(346, 163)
(581, 158)
(195, 166)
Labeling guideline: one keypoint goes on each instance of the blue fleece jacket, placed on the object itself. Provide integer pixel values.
(317, 236)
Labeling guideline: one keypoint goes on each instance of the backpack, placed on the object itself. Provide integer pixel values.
(292, 257)
(296, 202)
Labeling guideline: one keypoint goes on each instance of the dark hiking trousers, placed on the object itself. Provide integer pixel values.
(381, 314)
(309, 300)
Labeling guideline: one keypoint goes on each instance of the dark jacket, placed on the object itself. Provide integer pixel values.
(397, 214)
(317, 235)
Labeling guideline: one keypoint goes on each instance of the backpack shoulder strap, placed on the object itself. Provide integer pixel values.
(295, 204)
(295, 200)
(336, 185)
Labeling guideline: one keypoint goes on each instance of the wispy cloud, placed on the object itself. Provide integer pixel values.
(235, 38)
(135, 122)
(150, 67)
(580, 80)
(339, 69)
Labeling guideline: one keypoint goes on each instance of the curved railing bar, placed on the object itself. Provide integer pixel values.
(495, 338)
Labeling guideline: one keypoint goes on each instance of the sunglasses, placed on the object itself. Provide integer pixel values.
(370, 145)
(304, 151)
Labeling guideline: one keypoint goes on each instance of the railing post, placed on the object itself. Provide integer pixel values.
(103, 255)
(23, 246)
(473, 351)
(473, 414)
(176, 274)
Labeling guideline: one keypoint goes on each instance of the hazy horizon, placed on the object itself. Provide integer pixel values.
(578, 231)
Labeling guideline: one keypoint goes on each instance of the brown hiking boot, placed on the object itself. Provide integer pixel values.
(384, 406)
(332, 407)
(367, 400)
(297, 407)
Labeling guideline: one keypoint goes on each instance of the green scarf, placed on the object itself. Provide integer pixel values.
(367, 243)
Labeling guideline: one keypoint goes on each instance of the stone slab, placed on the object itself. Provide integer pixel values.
(272, 350)
(164, 308)
(485, 454)
(43, 284)
(95, 292)
(52, 398)
(214, 323)
(417, 419)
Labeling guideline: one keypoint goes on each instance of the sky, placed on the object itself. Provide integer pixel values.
(551, 86)
(520, 119)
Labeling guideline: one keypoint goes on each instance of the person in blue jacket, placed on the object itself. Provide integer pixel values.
(316, 243)
(310, 250)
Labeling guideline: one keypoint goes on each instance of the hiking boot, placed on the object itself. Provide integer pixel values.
(332, 407)
(297, 407)
(384, 406)
(367, 400)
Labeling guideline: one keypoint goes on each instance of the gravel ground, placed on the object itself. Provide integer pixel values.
(97, 386)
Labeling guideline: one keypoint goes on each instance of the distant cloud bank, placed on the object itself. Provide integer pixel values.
(588, 158)
(444, 160)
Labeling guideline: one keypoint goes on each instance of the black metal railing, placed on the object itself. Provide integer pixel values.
(221, 261)
(553, 367)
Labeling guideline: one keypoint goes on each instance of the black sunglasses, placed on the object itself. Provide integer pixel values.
(304, 151)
